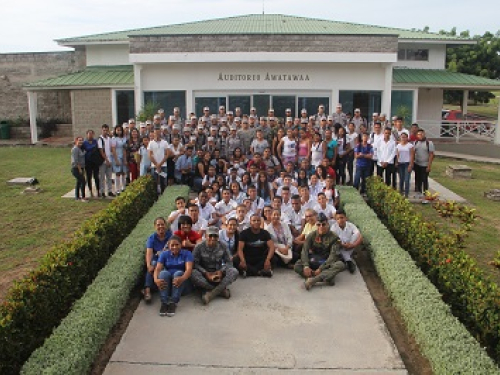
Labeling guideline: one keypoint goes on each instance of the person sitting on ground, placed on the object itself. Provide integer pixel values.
(324, 207)
(172, 274)
(154, 246)
(319, 261)
(310, 218)
(185, 232)
(287, 181)
(282, 238)
(296, 216)
(173, 218)
(199, 225)
(225, 206)
(255, 250)
(229, 236)
(350, 238)
(213, 268)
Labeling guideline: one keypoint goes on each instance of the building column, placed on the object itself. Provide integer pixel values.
(497, 127)
(189, 102)
(33, 111)
(333, 104)
(387, 92)
(138, 95)
(114, 112)
(465, 104)
(415, 106)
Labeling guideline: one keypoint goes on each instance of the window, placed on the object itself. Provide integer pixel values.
(211, 102)
(312, 104)
(402, 105)
(409, 54)
(367, 101)
(262, 103)
(125, 106)
(167, 100)
(242, 101)
(281, 103)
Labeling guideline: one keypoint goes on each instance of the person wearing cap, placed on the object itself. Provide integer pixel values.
(233, 141)
(213, 268)
(339, 117)
(149, 127)
(158, 154)
(255, 250)
(222, 112)
(177, 116)
(375, 118)
(321, 113)
(237, 112)
(253, 112)
(319, 260)
(201, 137)
(206, 114)
(288, 112)
(358, 120)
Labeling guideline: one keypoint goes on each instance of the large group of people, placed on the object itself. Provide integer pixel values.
(266, 190)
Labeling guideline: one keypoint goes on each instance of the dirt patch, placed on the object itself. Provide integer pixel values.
(407, 347)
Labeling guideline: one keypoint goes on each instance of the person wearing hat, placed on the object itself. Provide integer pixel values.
(206, 114)
(230, 118)
(223, 144)
(177, 116)
(339, 117)
(255, 250)
(201, 137)
(233, 141)
(319, 260)
(321, 113)
(149, 127)
(143, 130)
(303, 114)
(237, 112)
(358, 120)
(288, 112)
(375, 118)
(222, 111)
(213, 268)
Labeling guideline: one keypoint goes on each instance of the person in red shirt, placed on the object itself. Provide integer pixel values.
(413, 133)
(329, 170)
(257, 161)
(189, 237)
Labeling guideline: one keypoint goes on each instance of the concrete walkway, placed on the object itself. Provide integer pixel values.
(269, 326)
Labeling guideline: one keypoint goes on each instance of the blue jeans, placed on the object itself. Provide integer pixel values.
(362, 173)
(80, 183)
(404, 178)
(172, 293)
(150, 282)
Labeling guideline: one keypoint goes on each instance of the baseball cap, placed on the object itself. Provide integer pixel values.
(339, 105)
(357, 110)
(187, 129)
(212, 231)
(322, 217)
(161, 110)
(375, 114)
(148, 122)
(303, 110)
(156, 117)
(229, 113)
(288, 110)
(176, 127)
(237, 119)
(223, 129)
(210, 139)
(142, 125)
(206, 109)
(131, 121)
(200, 127)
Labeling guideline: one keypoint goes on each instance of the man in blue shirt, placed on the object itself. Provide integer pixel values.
(363, 153)
(184, 167)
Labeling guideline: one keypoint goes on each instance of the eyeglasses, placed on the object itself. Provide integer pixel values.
(322, 224)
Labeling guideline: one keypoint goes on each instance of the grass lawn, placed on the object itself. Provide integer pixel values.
(483, 241)
(30, 224)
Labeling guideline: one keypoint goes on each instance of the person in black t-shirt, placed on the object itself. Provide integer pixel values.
(255, 250)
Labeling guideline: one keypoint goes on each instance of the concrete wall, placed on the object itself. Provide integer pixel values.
(16, 69)
(108, 54)
(263, 43)
(437, 56)
(91, 109)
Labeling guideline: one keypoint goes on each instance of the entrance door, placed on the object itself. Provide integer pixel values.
(281, 103)
(242, 101)
(211, 102)
(262, 104)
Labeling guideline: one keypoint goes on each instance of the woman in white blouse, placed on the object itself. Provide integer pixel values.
(282, 238)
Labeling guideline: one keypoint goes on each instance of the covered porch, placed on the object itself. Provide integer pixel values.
(420, 93)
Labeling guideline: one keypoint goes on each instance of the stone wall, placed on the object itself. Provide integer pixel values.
(264, 43)
(17, 69)
(91, 109)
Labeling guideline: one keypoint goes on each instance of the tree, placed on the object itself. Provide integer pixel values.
(481, 59)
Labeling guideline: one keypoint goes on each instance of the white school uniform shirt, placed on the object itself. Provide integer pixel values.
(347, 235)
(375, 142)
(314, 190)
(223, 209)
(386, 152)
(258, 204)
(295, 217)
(158, 148)
(329, 210)
(105, 142)
(404, 152)
(175, 224)
(310, 204)
(206, 212)
(200, 225)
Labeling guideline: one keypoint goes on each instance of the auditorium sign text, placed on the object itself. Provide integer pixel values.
(263, 77)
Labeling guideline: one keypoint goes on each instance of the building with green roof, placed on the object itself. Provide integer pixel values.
(262, 61)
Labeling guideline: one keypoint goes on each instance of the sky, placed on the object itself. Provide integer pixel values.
(32, 25)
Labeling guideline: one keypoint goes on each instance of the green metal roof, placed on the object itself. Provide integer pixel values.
(439, 77)
(261, 24)
(92, 76)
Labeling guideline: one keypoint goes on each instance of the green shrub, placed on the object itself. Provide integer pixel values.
(37, 303)
(472, 296)
(74, 345)
(442, 338)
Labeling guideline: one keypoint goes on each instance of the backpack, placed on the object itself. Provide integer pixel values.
(95, 156)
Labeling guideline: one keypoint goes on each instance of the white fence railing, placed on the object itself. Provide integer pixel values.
(463, 130)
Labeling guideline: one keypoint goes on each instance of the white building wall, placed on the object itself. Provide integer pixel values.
(212, 77)
(437, 56)
(108, 54)
(430, 104)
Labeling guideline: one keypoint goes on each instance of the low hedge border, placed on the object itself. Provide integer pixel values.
(38, 302)
(74, 345)
(442, 338)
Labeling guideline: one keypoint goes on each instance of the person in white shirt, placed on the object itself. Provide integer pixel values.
(315, 186)
(287, 181)
(296, 216)
(200, 225)
(405, 153)
(225, 206)
(229, 236)
(324, 207)
(257, 202)
(386, 153)
(352, 138)
(375, 139)
(305, 198)
(278, 205)
(105, 169)
(207, 211)
(158, 154)
(286, 197)
(350, 238)
(282, 238)
(173, 218)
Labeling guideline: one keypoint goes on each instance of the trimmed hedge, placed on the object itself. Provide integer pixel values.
(474, 299)
(441, 337)
(38, 303)
(74, 345)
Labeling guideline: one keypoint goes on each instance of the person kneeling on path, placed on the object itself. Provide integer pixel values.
(350, 238)
(213, 269)
(319, 261)
(255, 250)
(172, 274)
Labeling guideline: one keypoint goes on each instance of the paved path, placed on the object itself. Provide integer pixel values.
(269, 326)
